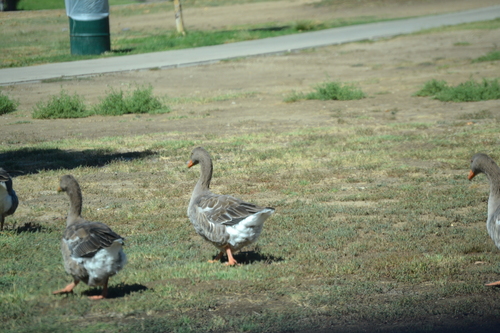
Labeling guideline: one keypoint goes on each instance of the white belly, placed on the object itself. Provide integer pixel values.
(106, 262)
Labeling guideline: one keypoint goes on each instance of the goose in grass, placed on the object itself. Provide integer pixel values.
(225, 221)
(482, 163)
(8, 197)
(91, 251)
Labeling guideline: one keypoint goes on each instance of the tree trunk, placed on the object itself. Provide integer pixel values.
(179, 23)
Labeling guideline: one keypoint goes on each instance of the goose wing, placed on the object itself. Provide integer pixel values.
(213, 213)
(86, 239)
(225, 210)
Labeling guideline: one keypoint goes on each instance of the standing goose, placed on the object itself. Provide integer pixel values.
(482, 163)
(8, 197)
(91, 251)
(226, 222)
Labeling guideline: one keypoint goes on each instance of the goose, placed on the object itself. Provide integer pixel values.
(225, 221)
(8, 197)
(482, 163)
(91, 251)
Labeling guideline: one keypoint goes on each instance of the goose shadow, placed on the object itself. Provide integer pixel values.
(117, 291)
(32, 160)
(30, 227)
(249, 257)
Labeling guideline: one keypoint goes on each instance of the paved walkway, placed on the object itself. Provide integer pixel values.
(274, 45)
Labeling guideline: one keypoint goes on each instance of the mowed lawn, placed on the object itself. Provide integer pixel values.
(374, 223)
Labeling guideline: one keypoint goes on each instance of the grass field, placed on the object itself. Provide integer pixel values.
(58, 4)
(376, 227)
(376, 223)
(31, 40)
(26, 40)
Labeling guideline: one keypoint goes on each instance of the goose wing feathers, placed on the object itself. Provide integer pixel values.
(15, 203)
(493, 226)
(225, 210)
(86, 239)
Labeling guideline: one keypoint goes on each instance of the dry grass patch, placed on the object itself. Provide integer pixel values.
(338, 222)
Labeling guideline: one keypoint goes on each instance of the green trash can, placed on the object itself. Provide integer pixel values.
(89, 37)
(88, 26)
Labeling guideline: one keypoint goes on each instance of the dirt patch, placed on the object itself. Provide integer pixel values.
(389, 71)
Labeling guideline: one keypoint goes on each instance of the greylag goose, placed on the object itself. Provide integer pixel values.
(91, 251)
(482, 163)
(226, 222)
(8, 197)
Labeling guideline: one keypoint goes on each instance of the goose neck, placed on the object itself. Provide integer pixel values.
(75, 208)
(205, 174)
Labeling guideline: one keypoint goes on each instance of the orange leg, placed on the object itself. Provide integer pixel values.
(68, 289)
(493, 284)
(104, 293)
(217, 258)
(230, 260)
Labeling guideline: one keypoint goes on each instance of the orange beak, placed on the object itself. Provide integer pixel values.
(190, 163)
(59, 189)
(471, 175)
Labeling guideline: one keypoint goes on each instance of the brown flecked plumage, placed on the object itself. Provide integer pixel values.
(91, 251)
(225, 221)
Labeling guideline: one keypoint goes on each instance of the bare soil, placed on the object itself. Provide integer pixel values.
(389, 71)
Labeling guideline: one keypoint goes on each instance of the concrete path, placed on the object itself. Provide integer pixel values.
(274, 45)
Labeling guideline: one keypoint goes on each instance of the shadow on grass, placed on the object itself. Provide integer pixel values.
(118, 291)
(124, 51)
(249, 257)
(33, 160)
(277, 28)
(30, 227)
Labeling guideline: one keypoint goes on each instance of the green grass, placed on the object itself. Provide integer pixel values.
(367, 223)
(431, 88)
(491, 56)
(7, 104)
(115, 103)
(141, 100)
(376, 226)
(329, 91)
(61, 106)
(57, 4)
(45, 39)
(30, 45)
(469, 91)
(141, 42)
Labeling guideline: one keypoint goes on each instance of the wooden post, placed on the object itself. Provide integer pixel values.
(179, 23)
